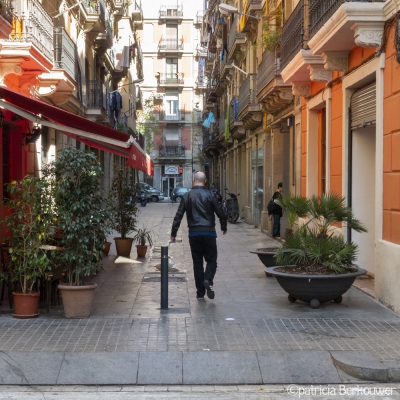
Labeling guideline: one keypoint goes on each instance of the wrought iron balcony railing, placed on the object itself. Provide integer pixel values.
(234, 111)
(34, 26)
(64, 52)
(171, 11)
(267, 70)
(199, 17)
(247, 93)
(293, 34)
(172, 151)
(176, 78)
(6, 10)
(169, 44)
(234, 34)
(97, 94)
(321, 11)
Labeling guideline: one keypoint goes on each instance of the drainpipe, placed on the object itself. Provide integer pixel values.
(350, 171)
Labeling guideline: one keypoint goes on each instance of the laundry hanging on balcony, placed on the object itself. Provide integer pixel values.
(210, 120)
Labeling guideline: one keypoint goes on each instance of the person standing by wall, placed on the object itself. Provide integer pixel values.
(200, 206)
(277, 213)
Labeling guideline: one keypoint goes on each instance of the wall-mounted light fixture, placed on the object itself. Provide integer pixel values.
(227, 9)
(31, 137)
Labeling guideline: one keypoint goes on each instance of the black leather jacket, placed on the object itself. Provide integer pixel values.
(200, 206)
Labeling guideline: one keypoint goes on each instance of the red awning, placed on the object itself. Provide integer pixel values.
(91, 133)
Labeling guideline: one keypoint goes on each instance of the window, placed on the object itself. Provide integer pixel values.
(171, 67)
(171, 106)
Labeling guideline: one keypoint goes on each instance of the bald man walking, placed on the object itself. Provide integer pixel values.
(200, 206)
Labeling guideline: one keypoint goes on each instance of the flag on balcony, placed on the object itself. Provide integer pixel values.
(228, 117)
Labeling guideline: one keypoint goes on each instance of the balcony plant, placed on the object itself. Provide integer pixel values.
(122, 202)
(29, 224)
(315, 256)
(143, 238)
(84, 222)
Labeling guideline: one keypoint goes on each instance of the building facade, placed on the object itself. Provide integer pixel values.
(172, 91)
(306, 92)
(67, 78)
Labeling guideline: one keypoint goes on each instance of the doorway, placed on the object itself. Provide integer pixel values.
(363, 193)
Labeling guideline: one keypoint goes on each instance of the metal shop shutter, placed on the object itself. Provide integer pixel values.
(363, 106)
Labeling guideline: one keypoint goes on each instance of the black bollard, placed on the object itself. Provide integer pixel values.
(164, 277)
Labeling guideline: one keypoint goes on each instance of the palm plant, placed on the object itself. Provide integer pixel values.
(315, 244)
(293, 206)
(144, 236)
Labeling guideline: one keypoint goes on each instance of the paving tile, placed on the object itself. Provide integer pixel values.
(220, 368)
(99, 368)
(297, 367)
(160, 368)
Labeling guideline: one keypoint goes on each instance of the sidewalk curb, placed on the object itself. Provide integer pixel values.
(365, 366)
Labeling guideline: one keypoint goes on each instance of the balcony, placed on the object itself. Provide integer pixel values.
(172, 151)
(96, 102)
(211, 94)
(170, 46)
(201, 83)
(201, 52)
(271, 90)
(254, 8)
(29, 46)
(94, 15)
(340, 25)
(169, 13)
(235, 125)
(235, 40)
(136, 13)
(104, 40)
(293, 38)
(316, 40)
(249, 109)
(6, 10)
(199, 18)
(64, 52)
(60, 83)
(170, 80)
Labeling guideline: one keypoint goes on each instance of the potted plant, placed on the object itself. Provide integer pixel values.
(122, 202)
(28, 225)
(143, 238)
(316, 264)
(84, 222)
(293, 207)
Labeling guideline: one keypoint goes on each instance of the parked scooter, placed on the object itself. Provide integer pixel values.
(142, 197)
(231, 205)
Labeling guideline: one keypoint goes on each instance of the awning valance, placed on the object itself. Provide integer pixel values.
(89, 132)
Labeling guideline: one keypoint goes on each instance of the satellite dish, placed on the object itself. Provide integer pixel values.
(227, 9)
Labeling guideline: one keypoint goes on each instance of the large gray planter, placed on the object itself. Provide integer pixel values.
(315, 289)
(266, 256)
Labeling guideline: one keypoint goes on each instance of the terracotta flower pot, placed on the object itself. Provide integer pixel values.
(106, 249)
(141, 250)
(77, 300)
(123, 246)
(26, 305)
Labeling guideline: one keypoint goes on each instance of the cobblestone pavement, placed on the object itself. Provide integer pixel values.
(250, 311)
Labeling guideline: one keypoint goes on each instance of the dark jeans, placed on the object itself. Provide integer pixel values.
(203, 247)
(276, 227)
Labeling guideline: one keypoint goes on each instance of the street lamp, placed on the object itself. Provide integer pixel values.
(227, 9)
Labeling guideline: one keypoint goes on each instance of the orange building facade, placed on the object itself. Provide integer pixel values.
(348, 77)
